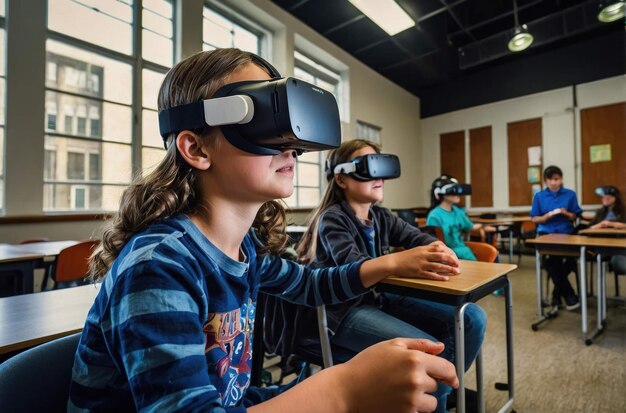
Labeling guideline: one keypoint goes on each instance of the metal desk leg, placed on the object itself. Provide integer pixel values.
(479, 382)
(508, 294)
(510, 246)
(599, 277)
(459, 322)
(541, 317)
(583, 293)
(322, 325)
(604, 264)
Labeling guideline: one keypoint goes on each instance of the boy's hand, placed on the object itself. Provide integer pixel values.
(397, 375)
(556, 211)
(435, 262)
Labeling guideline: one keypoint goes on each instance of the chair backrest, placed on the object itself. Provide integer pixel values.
(38, 379)
(434, 231)
(73, 262)
(484, 252)
(406, 214)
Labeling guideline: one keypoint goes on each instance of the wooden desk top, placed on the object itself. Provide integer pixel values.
(36, 250)
(31, 319)
(473, 275)
(501, 220)
(604, 231)
(578, 241)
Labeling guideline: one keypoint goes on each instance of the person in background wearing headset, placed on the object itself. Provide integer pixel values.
(611, 215)
(452, 220)
(349, 226)
(554, 210)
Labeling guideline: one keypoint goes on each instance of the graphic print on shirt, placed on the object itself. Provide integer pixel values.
(228, 350)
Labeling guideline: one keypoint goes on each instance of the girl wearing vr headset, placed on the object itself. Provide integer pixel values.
(451, 219)
(348, 226)
(182, 264)
(611, 215)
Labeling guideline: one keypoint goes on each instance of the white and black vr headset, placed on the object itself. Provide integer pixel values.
(606, 190)
(451, 186)
(367, 167)
(263, 117)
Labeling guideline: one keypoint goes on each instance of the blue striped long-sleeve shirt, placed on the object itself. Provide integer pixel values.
(171, 329)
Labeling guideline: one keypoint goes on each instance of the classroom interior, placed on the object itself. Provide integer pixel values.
(68, 66)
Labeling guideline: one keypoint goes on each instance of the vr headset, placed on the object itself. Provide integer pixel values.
(606, 190)
(452, 187)
(263, 117)
(367, 167)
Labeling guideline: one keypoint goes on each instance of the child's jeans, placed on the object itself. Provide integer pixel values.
(400, 316)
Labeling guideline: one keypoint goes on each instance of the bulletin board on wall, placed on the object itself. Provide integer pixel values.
(603, 146)
(452, 156)
(481, 163)
(524, 159)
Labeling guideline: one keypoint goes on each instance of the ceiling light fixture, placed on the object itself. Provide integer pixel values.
(521, 39)
(610, 10)
(385, 13)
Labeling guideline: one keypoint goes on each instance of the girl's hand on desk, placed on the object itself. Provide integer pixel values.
(410, 369)
(434, 262)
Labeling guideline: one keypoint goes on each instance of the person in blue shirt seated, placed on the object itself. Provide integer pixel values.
(554, 210)
(450, 218)
(611, 215)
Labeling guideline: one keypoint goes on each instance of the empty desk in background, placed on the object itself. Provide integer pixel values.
(24, 258)
(31, 319)
(604, 232)
(476, 280)
(510, 222)
(563, 243)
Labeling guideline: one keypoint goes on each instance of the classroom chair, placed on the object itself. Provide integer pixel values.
(407, 214)
(72, 265)
(38, 379)
(484, 252)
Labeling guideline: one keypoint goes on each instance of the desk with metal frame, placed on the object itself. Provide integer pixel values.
(564, 244)
(31, 319)
(477, 280)
(604, 232)
(504, 221)
(24, 258)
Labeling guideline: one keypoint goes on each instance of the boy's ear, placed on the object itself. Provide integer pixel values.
(190, 147)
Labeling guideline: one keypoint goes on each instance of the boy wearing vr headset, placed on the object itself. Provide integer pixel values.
(554, 210)
(611, 215)
(193, 243)
(349, 226)
(444, 195)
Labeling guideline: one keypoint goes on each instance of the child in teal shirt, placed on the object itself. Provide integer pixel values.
(451, 219)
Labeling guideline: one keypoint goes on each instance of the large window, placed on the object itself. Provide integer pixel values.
(91, 61)
(308, 177)
(219, 30)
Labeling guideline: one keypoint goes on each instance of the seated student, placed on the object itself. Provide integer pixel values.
(348, 226)
(171, 327)
(554, 210)
(451, 219)
(611, 215)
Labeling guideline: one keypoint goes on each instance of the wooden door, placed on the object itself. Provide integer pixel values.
(603, 125)
(481, 167)
(521, 136)
(452, 156)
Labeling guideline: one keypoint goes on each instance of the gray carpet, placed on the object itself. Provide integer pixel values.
(554, 370)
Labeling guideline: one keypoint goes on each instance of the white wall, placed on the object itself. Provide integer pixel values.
(560, 129)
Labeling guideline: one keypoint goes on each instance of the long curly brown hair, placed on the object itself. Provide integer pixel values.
(173, 186)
